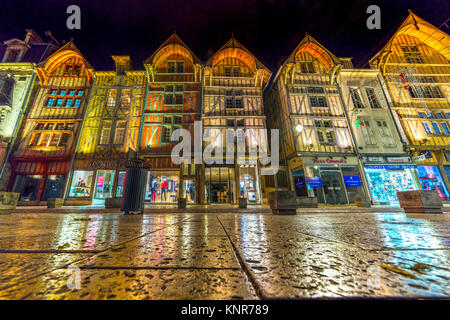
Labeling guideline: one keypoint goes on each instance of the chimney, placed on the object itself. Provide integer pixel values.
(32, 37)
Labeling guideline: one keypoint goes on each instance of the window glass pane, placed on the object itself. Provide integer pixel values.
(104, 184)
(120, 183)
(54, 187)
(81, 184)
(430, 179)
(162, 186)
(28, 186)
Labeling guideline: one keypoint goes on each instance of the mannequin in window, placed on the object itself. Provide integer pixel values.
(164, 187)
(192, 190)
(154, 190)
(242, 189)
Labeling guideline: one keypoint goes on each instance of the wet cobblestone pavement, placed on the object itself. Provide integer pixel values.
(224, 256)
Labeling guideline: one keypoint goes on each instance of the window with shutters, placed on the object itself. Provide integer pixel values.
(373, 101)
(119, 135)
(105, 133)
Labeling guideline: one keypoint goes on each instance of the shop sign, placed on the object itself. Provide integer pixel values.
(104, 164)
(422, 157)
(100, 181)
(329, 161)
(314, 182)
(299, 183)
(375, 159)
(391, 166)
(397, 159)
(352, 181)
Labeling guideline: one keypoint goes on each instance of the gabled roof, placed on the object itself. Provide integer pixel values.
(313, 47)
(424, 31)
(234, 48)
(173, 44)
(46, 67)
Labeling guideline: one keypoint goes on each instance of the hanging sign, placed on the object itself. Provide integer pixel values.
(299, 183)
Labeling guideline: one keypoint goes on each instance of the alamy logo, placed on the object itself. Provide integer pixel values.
(236, 148)
(374, 20)
(74, 20)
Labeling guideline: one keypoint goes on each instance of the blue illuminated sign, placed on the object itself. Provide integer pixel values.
(352, 181)
(314, 182)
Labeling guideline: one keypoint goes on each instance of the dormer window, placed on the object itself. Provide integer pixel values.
(307, 67)
(12, 55)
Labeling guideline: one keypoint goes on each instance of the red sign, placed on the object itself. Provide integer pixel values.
(100, 181)
(329, 161)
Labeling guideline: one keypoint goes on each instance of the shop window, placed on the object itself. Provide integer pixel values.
(430, 179)
(125, 98)
(356, 98)
(105, 133)
(81, 184)
(120, 184)
(28, 186)
(54, 187)
(248, 187)
(189, 190)
(373, 101)
(104, 184)
(111, 100)
(120, 132)
(162, 187)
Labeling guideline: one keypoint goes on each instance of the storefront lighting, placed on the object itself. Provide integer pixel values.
(299, 128)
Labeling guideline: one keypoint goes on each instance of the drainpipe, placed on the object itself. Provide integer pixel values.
(19, 122)
(69, 177)
(352, 135)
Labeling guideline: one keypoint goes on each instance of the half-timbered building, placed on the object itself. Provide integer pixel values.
(174, 75)
(233, 83)
(109, 136)
(45, 147)
(415, 66)
(316, 144)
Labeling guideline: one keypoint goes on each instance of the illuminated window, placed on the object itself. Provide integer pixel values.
(80, 92)
(112, 95)
(126, 98)
(445, 128)
(68, 102)
(421, 115)
(62, 92)
(72, 92)
(60, 126)
(35, 139)
(120, 132)
(45, 139)
(55, 140)
(439, 115)
(50, 102)
(426, 126)
(77, 103)
(105, 133)
(59, 102)
(412, 54)
(436, 128)
(54, 92)
(69, 126)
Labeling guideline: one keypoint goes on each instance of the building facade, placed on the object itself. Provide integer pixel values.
(109, 135)
(380, 144)
(173, 102)
(415, 66)
(17, 76)
(233, 83)
(42, 156)
(317, 147)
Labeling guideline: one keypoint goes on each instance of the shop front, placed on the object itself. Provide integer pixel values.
(39, 181)
(333, 180)
(92, 181)
(220, 184)
(388, 175)
(162, 186)
(430, 170)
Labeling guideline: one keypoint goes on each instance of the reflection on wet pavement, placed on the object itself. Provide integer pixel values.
(224, 256)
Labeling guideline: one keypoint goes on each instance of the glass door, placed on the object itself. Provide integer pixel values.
(333, 187)
(104, 184)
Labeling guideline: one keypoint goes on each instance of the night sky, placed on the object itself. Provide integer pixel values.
(269, 29)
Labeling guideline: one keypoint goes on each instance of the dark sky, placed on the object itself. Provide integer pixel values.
(269, 29)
